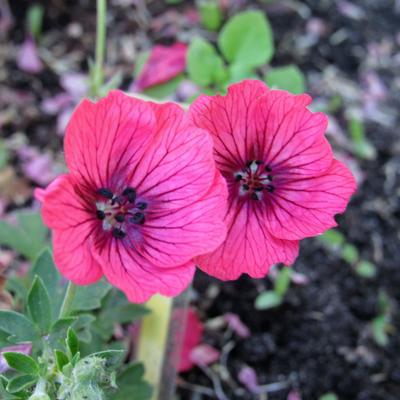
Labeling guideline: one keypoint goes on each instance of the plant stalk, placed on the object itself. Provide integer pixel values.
(98, 72)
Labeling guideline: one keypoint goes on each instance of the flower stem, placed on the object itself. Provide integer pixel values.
(98, 71)
(160, 340)
(68, 299)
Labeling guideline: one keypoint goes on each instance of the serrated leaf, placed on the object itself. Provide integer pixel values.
(204, 65)
(61, 359)
(288, 78)
(21, 362)
(39, 305)
(267, 299)
(113, 357)
(28, 237)
(131, 381)
(45, 268)
(72, 342)
(282, 281)
(89, 297)
(18, 326)
(21, 382)
(58, 331)
(247, 39)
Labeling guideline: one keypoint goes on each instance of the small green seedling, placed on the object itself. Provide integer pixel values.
(274, 298)
(381, 323)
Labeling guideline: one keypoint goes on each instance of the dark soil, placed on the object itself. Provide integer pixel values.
(320, 339)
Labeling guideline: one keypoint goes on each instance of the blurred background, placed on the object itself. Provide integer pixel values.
(327, 329)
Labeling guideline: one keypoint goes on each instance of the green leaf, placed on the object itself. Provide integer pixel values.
(35, 20)
(131, 381)
(350, 253)
(4, 155)
(113, 358)
(164, 90)
(21, 382)
(366, 269)
(238, 72)
(61, 359)
(28, 237)
(89, 297)
(204, 65)
(334, 239)
(361, 146)
(210, 14)
(379, 327)
(17, 325)
(140, 62)
(21, 363)
(267, 299)
(39, 306)
(329, 396)
(45, 268)
(282, 282)
(72, 342)
(58, 331)
(288, 78)
(4, 395)
(247, 39)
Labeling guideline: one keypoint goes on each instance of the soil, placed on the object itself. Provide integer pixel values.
(320, 339)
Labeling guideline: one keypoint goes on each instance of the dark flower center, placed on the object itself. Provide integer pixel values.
(119, 211)
(255, 180)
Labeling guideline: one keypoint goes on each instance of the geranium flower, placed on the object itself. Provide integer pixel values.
(142, 197)
(284, 184)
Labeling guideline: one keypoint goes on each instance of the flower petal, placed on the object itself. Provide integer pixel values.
(98, 143)
(174, 237)
(288, 136)
(306, 207)
(226, 118)
(179, 167)
(73, 255)
(64, 211)
(249, 247)
(138, 278)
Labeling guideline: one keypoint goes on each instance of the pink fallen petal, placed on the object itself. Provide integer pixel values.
(294, 395)
(28, 59)
(53, 105)
(236, 324)
(163, 64)
(63, 119)
(19, 348)
(248, 377)
(204, 354)
(75, 84)
(192, 337)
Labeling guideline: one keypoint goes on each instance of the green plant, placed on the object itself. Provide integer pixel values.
(274, 298)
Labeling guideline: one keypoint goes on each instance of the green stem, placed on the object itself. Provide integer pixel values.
(68, 299)
(98, 73)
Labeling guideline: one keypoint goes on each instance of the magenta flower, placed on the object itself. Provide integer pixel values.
(284, 184)
(142, 197)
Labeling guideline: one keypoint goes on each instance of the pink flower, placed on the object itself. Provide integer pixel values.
(284, 184)
(142, 198)
(163, 64)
